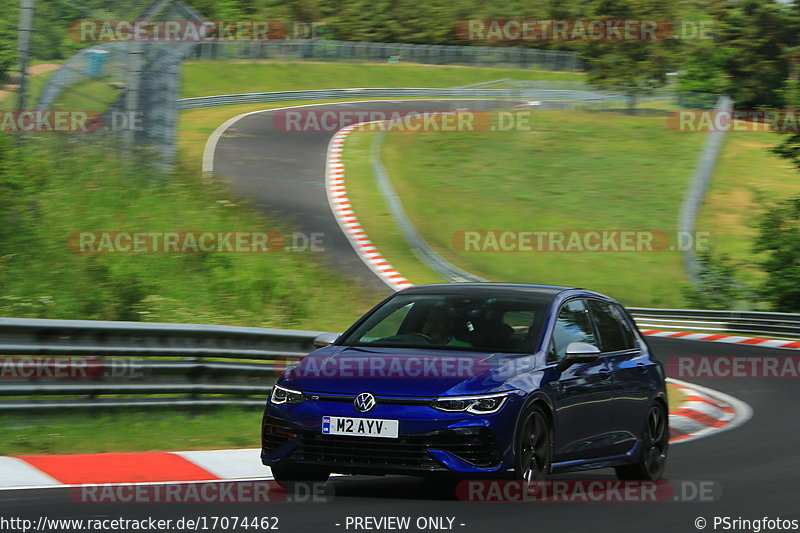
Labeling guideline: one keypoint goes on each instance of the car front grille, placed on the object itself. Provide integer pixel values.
(475, 445)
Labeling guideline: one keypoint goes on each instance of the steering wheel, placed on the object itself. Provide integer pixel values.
(425, 336)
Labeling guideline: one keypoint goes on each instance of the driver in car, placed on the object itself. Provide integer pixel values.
(440, 326)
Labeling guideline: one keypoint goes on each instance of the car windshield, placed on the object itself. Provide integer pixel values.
(510, 324)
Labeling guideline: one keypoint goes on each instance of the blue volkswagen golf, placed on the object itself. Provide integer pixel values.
(473, 380)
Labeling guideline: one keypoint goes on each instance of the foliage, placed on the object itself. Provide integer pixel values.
(631, 66)
(52, 188)
(717, 287)
(779, 240)
(8, 39)
(748, 57)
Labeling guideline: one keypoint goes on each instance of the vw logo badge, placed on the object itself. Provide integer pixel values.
(364, 402)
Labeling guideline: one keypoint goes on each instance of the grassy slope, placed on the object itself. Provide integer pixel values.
(374, 214)
(86, 189)
(93, 95)
(574, 171)
(202, 78)
(747, 177)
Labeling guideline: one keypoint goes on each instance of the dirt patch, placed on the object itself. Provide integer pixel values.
(33, 71)
(41, 68)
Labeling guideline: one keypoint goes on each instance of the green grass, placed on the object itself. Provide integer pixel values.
(573, 171)
(374, 214)
(747, 178)
(131, 430)
(203, 78)
(90, 95)
(35, 86)
(55, 189)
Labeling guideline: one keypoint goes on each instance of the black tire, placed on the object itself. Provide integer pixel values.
(288, 475)
(655, 444)
(533, 447)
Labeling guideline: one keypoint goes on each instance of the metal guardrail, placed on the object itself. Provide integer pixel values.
(145, 364)
(568, 95)
(206, 365)
(417, 242)
(745, 323)
(25, 336)
(696, 193)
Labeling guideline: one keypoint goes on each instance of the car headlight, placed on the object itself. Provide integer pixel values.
(482, 404)
(281, 395)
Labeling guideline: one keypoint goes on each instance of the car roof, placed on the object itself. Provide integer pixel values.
(537, 292)
(437, 287)
(532, 291)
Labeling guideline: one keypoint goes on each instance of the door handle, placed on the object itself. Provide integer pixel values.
(604, 373)
(642, 368)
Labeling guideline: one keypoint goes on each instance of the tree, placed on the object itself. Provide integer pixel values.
(8, 39)
(790, 147)
(632, 67)
(779, 240)
(756, 36)
(703, 75)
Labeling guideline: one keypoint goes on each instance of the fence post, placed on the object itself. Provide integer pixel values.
(132, 89)
(25, 29)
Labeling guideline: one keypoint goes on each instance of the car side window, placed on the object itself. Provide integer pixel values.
(615, 335)
(572, 325)
(627, 330)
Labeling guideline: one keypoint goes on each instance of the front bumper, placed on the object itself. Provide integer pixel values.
(430, 441)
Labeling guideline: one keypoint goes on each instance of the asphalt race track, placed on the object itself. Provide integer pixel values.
(754, 468)
(284, 172)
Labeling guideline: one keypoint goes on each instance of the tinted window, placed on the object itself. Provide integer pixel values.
(573, 325)
(627, 330)
(614, 333)
(460, 322)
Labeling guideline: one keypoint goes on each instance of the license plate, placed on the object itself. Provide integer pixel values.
(361, 427)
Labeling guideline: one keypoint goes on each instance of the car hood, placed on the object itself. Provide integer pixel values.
(402, 372)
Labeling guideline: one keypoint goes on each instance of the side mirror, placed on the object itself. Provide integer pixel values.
(578, 352)
(325, 339)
